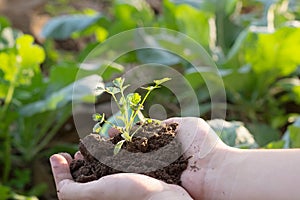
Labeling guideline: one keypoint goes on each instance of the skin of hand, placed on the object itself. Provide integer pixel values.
(207, 155)
(113, 187)
(198, 141)
(217, 171)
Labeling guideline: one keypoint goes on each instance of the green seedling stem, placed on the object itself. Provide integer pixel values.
(132, 102)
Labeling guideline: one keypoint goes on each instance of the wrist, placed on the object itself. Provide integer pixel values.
(210, 177)
(221, 181)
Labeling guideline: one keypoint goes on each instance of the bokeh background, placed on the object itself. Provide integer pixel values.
(254, 43)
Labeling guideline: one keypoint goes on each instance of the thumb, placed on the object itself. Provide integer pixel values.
(196, 136)
(66, 188)
(60, 169)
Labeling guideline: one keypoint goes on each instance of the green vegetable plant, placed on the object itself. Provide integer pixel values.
(130, 107)
(35, 104)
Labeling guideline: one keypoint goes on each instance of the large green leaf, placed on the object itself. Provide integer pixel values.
(130, 14)
(157, 56)
(3, 23)
(61, 75)
(31, 55)
(62, 27)
(5, 191)
(292, 135)
(210, 5)
(233, 133)
(21, 65)
(275, 54)
(79, 91)
(295, 136)
(263, 134)
(194, 23)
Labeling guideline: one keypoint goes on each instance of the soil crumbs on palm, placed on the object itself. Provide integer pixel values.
(154, 151)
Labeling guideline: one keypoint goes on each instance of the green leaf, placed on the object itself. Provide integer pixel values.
(8, 38)
(155, 55)
(4, 23)
(275, 145)
(273, 54)
(161, 81)
(62, 75)
(98, 117)
(20, 66)
(112, 90)
(62, 27)
(294, 136)
(134, 99)
(263, 134)
(112, 69)
(81, 90)
(31, 55)
(150, 88)
(8, 66)
(118, 147)
(126, 136)
(233, 133)
(97, 128)
(4, 191)
(194, 23)
(122, 101)
(118, 82)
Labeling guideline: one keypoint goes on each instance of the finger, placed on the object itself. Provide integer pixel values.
(60, 168)
(195, 135)
(125, 183)
(173, 120)
(78, 156)
(67, 156)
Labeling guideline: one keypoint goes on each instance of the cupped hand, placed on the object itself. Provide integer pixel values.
(113, 187)
(207, 155)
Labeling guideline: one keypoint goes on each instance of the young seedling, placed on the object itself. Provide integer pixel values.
(130, 107)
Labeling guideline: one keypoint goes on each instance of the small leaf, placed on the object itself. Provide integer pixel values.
(161, 81)
(122, 101)
(134, 99)
(98, 117)
(97, 128)
(149, 120)
(150, 88)
(112, 90)
(118, 147)
(126, 86)
(118, 82)
(140, 116)
(126, 136)
(100, 90)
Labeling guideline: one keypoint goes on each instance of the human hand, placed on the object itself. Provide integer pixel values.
(113, 187)
(208, 154)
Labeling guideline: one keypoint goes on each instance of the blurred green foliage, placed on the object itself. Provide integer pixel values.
(255, 44)
(34, 106)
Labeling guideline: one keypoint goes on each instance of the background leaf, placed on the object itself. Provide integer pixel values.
(62, 27)
(85, 89)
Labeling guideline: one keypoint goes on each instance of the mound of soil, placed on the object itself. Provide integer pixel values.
(154, 151)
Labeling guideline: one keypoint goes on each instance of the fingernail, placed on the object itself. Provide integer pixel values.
(53, 159)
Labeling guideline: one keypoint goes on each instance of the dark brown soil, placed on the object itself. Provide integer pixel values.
(154, 151)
